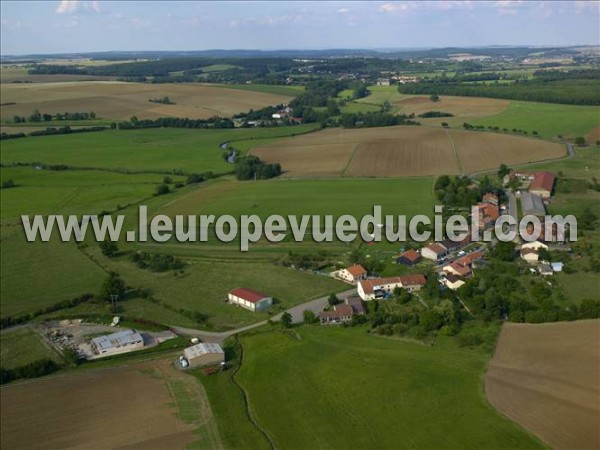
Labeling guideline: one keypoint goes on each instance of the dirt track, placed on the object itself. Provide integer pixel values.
(547, 378)
(125, 407)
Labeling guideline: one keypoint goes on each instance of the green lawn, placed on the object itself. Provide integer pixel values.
(549, 120)
(219, 67)
(22, 347)
(159, 150)
(585, 164)
(342, 388)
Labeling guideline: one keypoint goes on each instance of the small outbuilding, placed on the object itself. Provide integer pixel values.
(204, 354)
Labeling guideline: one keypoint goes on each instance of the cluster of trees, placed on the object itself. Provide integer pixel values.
(429, 114)
(156, 262)
(37, 116)
(252, 168)
(374, 119)
(164, 100)
(577, 88)
(34, 369)
(50, 131)
(468, 126)
(174, 122)
(461, 191)
(7, 184)
(495, 293)
(306, 261)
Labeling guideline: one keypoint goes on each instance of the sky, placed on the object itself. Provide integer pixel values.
(88, 26)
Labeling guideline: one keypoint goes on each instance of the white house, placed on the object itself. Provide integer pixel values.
(452, 281)
(353, 274)
(434, 252)
(530, 255)
(535, 245)
(383, 287)
(250, 299)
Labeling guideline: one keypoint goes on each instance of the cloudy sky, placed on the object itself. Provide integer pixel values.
(84, 26)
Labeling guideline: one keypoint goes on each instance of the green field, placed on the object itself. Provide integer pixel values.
(357, 197)
(218, 67)
(328, 387)
(72, 192)
(549, 120)
(22, 347)
(40, 274)
(158, 150)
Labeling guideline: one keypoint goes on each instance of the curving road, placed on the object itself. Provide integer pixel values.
(316, 306)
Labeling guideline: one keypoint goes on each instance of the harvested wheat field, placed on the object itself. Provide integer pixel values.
(401, 151)
(462, 107)
(121, 100)
(593, 135)
(546, 378)
(478, 151)
(136, 406)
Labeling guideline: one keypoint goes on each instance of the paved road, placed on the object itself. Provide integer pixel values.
(297, 311)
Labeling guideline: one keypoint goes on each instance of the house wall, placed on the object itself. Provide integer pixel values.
(429, 254)
(541, 192)
(122, 349)
(258, 306)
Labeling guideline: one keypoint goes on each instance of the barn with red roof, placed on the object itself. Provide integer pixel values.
(250, 299)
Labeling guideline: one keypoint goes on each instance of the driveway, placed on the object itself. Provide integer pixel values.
(316, 306)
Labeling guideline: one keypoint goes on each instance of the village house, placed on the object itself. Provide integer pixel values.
(462, 267)
(452, 282)
(542, 184)
(383, 287)
(340, 314)
(488, 211)
(434, 252)
(383, 82)
(408, 258)
(536, 245)
(357, 306)
(249, 299)
(545, 269)
(530, 255)
(353, 274)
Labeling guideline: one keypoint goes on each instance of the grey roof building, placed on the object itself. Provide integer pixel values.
(121, 342)
(532, 204)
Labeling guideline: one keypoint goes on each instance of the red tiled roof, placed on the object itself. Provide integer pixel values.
(249, 295)
(462, 270)
(542, 180)
(412, 280)
(411, 255)
(468, 259)
(436, 248)
(368, 285)
(339, 311)
(357, 270)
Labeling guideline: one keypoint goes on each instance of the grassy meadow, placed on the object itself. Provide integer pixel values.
(22, 347)
(361, 391)
(159, 150)
(549, 120)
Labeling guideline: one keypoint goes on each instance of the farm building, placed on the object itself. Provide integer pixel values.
(542, 184)
(353, 274)
(115, 343)
(250, 299)
(383, 287)
(408, 258)
(204, 354)
(340, 314)
(383, 82)
(532, 204)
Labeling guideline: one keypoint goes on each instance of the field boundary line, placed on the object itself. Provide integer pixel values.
(246, 397)
(354, 152)
(456, 158)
